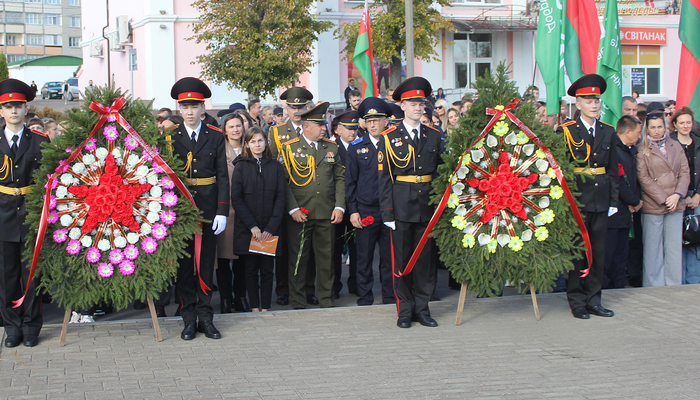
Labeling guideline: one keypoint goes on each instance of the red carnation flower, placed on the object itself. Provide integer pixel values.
(366, 221)
(304, 210)
(473, 182)
(503, 159)
(620, 170)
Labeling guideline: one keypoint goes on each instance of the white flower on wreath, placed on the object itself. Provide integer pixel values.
(101, 153)
(154, 206)
(461, 210)
(117, 153)
(86, 241)
(457, 188)
(132, 160)
(104, 245)
(61, 192)
(462, 172)
(78, 168)
(526, 236)
(67, 179)
(545, 180)
(152, 217)
(146, 229)
(88, 159)
(120, 242)
(132, 237)
(74, 233)
(61, 207)
(156, 191)
(66, 220)
(142, 170)
(153, 179)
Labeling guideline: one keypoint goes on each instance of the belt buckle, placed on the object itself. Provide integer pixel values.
(593, 171)
(419, 178)
(18, 192)
(194, 181)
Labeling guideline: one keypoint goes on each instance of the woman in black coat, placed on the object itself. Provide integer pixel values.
(257, 195)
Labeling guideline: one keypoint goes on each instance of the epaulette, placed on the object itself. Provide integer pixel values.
(605, 123)
(393, 128)
(573, 121)
(40, 133)
(330, 141)
(357, 141)
(433, 128)
(214, 128)
(170, 130)
(291, 141)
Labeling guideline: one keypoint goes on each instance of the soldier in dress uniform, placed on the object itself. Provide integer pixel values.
(346, 130)
(296, 99)
(201, 149)
(409, 155)
(396, 115)
(316, 180)
(20, 152)
(591, 145)
(362, 197)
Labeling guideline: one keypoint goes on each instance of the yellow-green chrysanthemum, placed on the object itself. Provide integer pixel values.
(453, 201)
(547, 216)
(459, 222)
(541, 233)
(501, 128)
(522, 138)
(515, 243)
(556, 192)
(468, 241)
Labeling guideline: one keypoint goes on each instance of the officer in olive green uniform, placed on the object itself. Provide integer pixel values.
(316, 180)
(296, 99)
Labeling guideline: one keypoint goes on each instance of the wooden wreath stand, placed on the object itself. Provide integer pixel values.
(151, 307)
(463, 299)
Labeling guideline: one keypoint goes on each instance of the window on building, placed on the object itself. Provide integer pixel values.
(11, 40)
(641, 69)
(14, 17)
(52, 19)
(32, 1)
(15, 57)
(14, 1)
(52, 1)
(74, 22)
(73, 42)
(75, 3)
(473, 57)
(33, 19)
(33, 56)
(35, 40)
(52, 40)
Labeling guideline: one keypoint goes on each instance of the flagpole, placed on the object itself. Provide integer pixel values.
(409, 39)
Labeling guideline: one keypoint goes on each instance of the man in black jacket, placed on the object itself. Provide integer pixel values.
(617, 245)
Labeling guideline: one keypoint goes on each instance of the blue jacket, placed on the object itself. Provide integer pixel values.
(629, 191)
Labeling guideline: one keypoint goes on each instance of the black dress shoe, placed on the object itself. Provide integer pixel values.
(226, 307)
(190, 332)
(208, 329)
(13, 341)
(312, 299)
(425, 320)
(240, 304)
(139, 305)
(600, 311)
(160, 312)
(580, 313)
(283, 299)
(31, 340)
(404, 322)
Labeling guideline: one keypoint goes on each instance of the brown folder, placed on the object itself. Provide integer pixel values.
(267, 248)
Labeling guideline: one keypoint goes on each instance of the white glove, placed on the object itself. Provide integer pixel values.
(391, 224)
(219, 224)
(612, 211)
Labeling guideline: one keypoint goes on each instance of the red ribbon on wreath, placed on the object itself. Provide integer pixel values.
(555, 167)
(105, 114)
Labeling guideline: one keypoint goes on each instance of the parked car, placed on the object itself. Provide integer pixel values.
(73, 92)
(52, 90)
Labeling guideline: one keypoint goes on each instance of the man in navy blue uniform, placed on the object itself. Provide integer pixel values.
(362, 198)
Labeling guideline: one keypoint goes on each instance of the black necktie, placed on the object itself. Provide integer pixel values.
(415, 136)
(194, 139)
(298, 131)
(591, 131)
(14, 147)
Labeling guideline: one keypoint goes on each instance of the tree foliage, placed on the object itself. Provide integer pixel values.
(4, 72)
(389, 32)
(256, 46)
(538, 262)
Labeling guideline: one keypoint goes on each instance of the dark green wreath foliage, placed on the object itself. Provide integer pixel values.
(73, 282)
(538, 263)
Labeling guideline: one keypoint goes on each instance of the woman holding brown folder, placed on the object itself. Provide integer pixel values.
(257, 195)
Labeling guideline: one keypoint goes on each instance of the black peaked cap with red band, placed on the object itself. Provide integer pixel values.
(413, 89)
(14, 92)
(190, 91)
(588, 86)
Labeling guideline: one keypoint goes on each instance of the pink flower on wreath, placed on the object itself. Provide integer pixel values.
(147, 156)
(54, 185)
(110, 132)
(60, 235)
(169, 199)
(168, 217)
(167, 183)
(93, 255)
(53, 217)
(116, 256)
(127, 267)
(73, 247)
(69, 150)
(159, 231)
(157, 168)
(131, 252)
(91, 144)
(105, 270)
(130, 143)
(52, 203)
(62, 166)
(149, 245)
(111, 118)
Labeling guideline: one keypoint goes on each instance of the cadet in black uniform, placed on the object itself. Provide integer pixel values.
(362, 197)
(201, 148)
(20, 152)
(591, 146)
(409, 155)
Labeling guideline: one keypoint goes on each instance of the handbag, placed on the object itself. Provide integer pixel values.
(691, 230)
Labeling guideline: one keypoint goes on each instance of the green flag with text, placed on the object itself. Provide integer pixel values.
(610, 65)
(549, 51)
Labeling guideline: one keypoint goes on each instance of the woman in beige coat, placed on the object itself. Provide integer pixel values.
(230, 273)
(663, 174)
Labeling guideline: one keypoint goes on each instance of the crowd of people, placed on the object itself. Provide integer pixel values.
(323, 191)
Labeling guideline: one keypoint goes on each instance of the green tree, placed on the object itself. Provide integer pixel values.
(4, 73)
(256, 46)
(389, 32)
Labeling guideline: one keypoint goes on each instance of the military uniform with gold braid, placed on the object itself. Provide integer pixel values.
(17, 167)
(296, 98)
(596, 168)
(316, 181)
(405, 172)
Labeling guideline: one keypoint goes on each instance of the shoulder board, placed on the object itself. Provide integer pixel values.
(605, 123)
(214, 128)
(433, 128)
(39, 133)
(330, 141)
(569, 123)
(357, 141)
(393, 128)
(292, 141)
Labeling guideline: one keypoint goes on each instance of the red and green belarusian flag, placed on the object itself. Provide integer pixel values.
(363, 58)
(582, 32)
(689, 75)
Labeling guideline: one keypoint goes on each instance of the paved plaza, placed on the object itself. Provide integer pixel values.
(649, 350)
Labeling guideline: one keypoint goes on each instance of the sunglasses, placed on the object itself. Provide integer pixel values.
(668, 114)
(439, 107)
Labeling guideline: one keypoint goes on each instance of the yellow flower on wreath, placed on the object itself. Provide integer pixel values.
(468, 240)
(522, 138)
(541, 233)
(540, 154)
(551, 173)
(515, 244)
(556, 192)
(479, 144)
(459, 222)
(492, 246)
(453, 201)
(500, 108)
(547, 216)
(501, 128)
